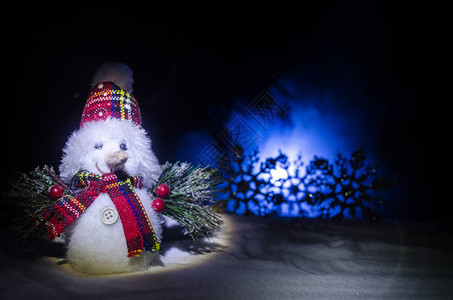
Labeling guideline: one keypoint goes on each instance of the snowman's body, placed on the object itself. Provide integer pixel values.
(96, 240)
(97, 247)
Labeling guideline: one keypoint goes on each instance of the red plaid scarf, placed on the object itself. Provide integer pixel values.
(137, 229)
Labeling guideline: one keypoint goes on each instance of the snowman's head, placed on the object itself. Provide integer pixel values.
(110, 145)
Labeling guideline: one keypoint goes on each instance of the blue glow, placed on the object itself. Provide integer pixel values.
(313, 125)
(303, 125)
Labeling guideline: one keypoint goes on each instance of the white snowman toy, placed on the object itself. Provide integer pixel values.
(109, 224)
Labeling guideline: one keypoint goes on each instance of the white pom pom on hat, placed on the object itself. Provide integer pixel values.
(118, 73)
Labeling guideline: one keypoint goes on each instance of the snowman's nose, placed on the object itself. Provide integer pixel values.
(117, 159)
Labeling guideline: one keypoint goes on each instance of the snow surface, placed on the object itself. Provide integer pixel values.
(257, 258)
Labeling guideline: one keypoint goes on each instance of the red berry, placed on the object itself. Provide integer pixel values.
(163, 190)
(158, 205)
(56, 191)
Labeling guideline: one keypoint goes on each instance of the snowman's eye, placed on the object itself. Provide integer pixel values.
(98, 146)
(123, 146)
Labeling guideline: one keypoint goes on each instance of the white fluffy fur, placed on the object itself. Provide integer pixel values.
(94, 247)
(118, 73)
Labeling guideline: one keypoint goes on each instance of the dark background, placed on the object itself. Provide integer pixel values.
(190, 63)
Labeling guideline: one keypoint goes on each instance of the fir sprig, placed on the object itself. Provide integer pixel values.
(26, 197)
(191, 193)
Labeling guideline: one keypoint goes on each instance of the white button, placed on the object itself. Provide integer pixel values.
(109, 215)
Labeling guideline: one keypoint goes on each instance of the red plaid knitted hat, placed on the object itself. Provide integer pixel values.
(107, 100)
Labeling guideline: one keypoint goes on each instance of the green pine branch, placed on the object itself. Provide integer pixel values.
(191, 192)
